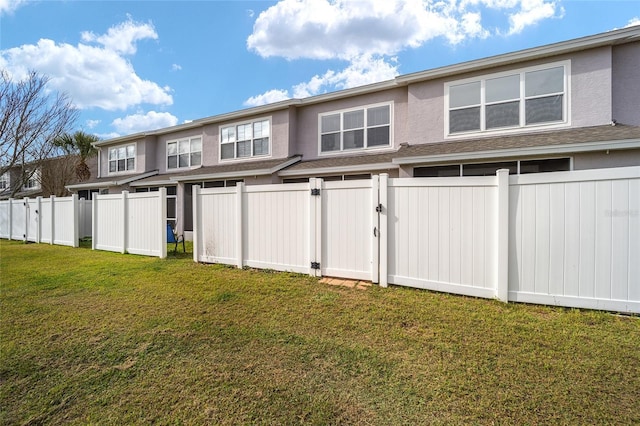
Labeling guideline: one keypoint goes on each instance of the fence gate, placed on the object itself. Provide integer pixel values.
(350, 230)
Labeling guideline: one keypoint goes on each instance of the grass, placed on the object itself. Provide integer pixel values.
(94, 337)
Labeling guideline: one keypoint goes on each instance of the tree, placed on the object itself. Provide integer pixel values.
(31, 118)
(81, 145)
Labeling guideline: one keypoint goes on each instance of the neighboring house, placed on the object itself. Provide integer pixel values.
(50, 177)
(566, 106)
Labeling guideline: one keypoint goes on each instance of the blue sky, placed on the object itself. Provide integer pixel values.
(131, 66)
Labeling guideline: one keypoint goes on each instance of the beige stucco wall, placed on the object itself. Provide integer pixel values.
(626, 83)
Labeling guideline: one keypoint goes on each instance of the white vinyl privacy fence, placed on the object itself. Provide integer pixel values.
(567, 239)
(54, 220)
(131, 223)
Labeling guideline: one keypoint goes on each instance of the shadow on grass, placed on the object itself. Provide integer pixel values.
(172, 253)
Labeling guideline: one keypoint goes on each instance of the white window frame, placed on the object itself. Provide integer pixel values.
(33, 182)
(252, 122)
(566, 101)
(126, 170)
(177, 155)
(342, 130)
(5, 181)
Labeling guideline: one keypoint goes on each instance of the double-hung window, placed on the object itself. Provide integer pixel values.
(249, 139)
(122, 158)
(4, 181)
(362, 128)
(532, 96)
(184, 153)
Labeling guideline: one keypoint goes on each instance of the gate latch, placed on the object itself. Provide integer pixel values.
(379, 208)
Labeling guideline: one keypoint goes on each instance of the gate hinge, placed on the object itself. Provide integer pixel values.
(379, 208)
(315, 265)
(315, 191)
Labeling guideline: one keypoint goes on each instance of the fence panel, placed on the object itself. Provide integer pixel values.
(46, 223)
(18, 218)
(65, 226)
(442, 234)
(108, 223)
(5, 220)
(131, 223)
(348, 229)
(216, 210)
(575, 239)
(146, 226)
(32, 232)
(276, 227)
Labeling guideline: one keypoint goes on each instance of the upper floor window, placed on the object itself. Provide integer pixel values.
(250, 139)
(184, 153)
(354, 129)
(4, 181)
(508, 100)
(122, 158)
(33, 182)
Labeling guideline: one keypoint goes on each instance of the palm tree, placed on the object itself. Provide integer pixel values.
(80, 144)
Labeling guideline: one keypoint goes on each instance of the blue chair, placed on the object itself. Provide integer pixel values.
(173, 238)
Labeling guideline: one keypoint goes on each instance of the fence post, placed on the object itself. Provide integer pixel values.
(315, 221)
(239, 225)
(10, 217)
(197, 228)
(76, 218)
(383, 232)
(375, 219)
(53, 218)
(94, 221)
(25, 203)
(38, 219)
(125, 220)
(163, 222)
(502, 290)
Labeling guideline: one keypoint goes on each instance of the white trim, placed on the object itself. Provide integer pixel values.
(237, 173)
(522, 126)
(251, 121)
(363, 108)
(554, 150)
(339, 169)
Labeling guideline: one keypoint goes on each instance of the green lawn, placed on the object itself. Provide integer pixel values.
(93, 337)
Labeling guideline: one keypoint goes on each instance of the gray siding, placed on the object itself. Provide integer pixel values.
(626, 83)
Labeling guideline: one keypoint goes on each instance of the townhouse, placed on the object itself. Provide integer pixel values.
(567, 106)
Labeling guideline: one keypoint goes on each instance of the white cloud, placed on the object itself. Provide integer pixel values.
(10, 6)
(324, 29)
(176, 67)
(268, 97)
(142, 122)
(367, 33)
(365, 69)
(633, 22)
(92, 123)
(532, 12)
(93, 75)
(123, 37)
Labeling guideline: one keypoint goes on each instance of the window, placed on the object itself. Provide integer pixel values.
(122, 158)
(33, 182)
(245, 140)
(490, 169)
(4, 181)
(510, 100)
(184, 153)
(364, 128)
